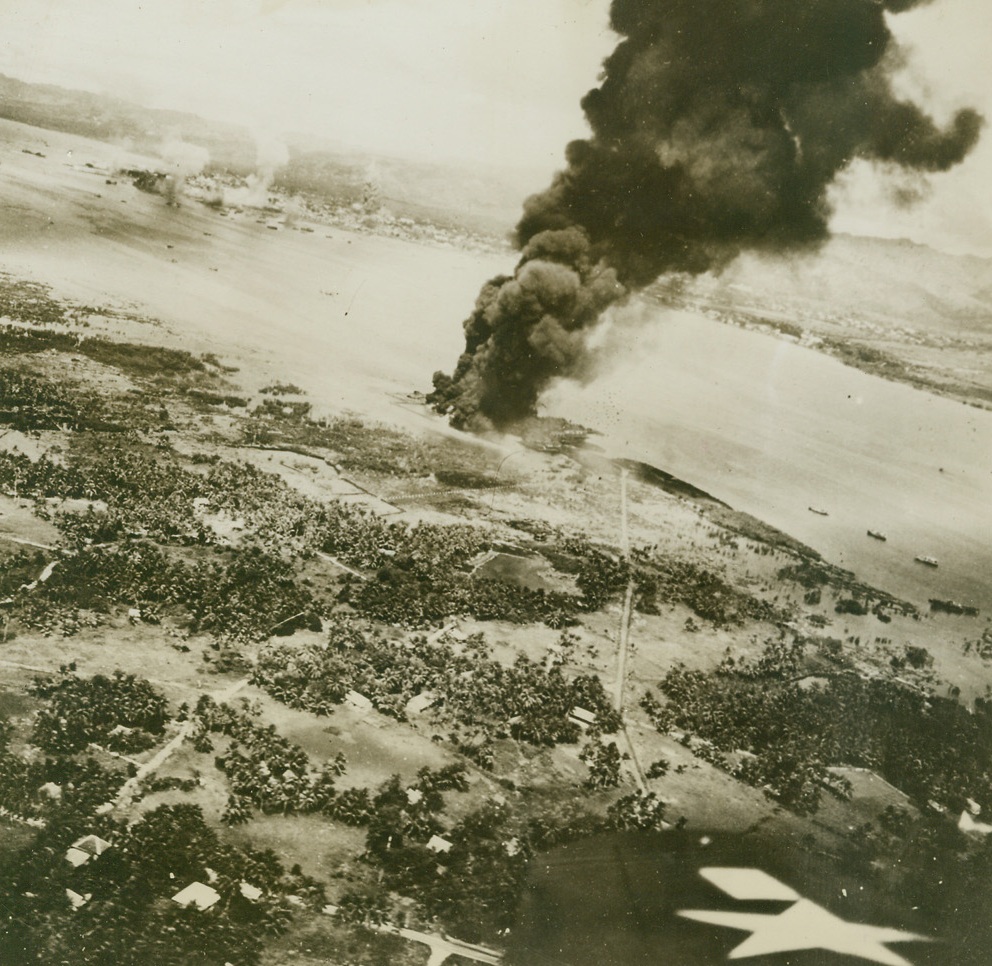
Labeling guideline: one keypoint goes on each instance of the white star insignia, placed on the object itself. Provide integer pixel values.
(804, 925)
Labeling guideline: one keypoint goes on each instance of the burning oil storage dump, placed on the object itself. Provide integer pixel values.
(718, 127)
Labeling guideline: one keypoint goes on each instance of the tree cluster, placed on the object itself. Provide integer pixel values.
(263, 769)
(122, 712)
(930, 747)
(245, 595)
(475, 692)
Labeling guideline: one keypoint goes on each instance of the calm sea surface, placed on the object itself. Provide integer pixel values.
(773, 428)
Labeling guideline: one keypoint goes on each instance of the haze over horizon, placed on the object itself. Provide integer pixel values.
(495, 82)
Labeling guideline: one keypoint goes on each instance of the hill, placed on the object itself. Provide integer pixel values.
(892, 308)
(466, 196)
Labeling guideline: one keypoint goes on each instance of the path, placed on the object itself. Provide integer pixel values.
(338, 563)
(27, 667)
(27, 543)
(48, 670)
(623, 645)
(130, 787)
(441, 947)
(623, 640)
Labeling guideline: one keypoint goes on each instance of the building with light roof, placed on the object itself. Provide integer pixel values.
(86, 849)
(198, 895)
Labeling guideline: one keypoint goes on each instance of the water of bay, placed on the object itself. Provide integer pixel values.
(774, 428)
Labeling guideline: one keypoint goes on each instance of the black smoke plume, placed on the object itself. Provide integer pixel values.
(718, 126)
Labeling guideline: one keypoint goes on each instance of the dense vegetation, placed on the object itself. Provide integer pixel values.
(121, 712)
(474, 693)
(412, 575)
(933, 748)
(223, 549)
(243, 596)
(473, 884)
(128, 918)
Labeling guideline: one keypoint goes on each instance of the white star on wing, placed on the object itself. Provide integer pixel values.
(805, 925)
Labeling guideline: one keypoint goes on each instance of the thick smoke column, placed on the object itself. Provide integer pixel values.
(718, 127)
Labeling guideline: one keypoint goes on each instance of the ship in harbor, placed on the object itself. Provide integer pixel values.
(818, 511)
(928, 561)
(952, 607)
(877, 535)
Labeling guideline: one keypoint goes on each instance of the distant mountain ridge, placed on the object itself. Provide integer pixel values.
(890, 281)
(485, 197)
(106, 118)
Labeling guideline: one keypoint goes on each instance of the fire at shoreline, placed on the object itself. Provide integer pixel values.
(718, 127)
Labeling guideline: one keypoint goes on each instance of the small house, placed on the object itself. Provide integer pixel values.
(438, 844)
(86, 849)
(198, 895)
(582, 717)
(76, 900)
(971, 826)
(250, 892)
(419, 703)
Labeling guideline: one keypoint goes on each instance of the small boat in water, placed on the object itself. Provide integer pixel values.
(877, 535)
(818, 511)
(929, 561)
